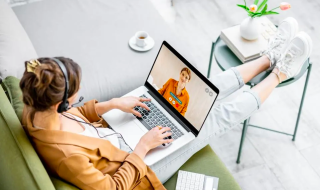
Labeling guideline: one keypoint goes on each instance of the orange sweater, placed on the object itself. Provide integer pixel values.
(179, 102)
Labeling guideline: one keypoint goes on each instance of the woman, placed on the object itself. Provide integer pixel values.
(175, 92)
(90, 161)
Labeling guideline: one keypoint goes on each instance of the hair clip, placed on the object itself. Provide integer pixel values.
(32, 65)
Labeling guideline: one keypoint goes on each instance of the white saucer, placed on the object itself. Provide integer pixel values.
(148, 46)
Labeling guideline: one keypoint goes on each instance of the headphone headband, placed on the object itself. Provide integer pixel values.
(65, 104)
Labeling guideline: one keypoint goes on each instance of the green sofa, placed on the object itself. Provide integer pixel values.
(21, 168)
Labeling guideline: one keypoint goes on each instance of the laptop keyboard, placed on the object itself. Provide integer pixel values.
(155, 117)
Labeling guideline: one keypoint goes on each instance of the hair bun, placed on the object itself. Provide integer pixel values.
(45, 74)
(45, 86)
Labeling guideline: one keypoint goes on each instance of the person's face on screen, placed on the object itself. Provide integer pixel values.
(184, 79)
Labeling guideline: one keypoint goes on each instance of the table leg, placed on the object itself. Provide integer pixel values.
(301, 103)
(243, 135)
(210, 61)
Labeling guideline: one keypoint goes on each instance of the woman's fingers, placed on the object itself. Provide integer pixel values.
(167, 140)
(143, 106)
(167, 134)
(136, 113)
(145, 99)
(164, 129)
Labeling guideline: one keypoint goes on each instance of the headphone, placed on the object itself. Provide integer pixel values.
(64, 106)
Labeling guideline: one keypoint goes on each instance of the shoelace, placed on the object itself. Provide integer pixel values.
(286, 62)
(274, 44)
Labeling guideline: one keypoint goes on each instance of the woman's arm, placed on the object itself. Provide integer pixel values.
(125, 104)
(78, 169)
(92, 110)
(103, 107)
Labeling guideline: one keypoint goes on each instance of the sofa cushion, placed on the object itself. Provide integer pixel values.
(206, 162)
(14, 94)
(59, 184)
(15, 44)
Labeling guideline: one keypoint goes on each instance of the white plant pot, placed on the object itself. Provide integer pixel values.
(250, 28)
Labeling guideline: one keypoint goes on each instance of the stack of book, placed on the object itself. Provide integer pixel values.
(247, 50)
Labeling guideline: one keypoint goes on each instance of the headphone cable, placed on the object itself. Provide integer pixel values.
(98, 131)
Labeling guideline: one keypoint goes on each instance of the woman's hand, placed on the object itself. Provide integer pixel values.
(126, 104)
(152, 139)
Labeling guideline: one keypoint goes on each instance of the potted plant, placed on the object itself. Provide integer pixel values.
(250, 27)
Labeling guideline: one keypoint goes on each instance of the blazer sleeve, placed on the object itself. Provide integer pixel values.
(78, 170)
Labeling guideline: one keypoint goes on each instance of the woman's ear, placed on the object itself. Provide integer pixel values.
(55, 107)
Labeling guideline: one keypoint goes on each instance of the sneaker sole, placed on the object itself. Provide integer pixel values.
(309, 44)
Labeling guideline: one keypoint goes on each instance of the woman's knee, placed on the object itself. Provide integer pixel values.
(226, 118)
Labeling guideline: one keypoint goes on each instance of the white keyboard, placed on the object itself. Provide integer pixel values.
(195, 181)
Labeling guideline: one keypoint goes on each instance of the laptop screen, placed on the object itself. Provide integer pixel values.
(180, 86)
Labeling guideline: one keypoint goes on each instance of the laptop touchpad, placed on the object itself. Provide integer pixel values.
(131, 132)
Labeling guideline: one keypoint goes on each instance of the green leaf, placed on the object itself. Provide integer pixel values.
(258, 14)
(270, 13)
(255, 13)
(262, 5)
(250, 13)
(244, 7)
(264, 9)
(256, 2)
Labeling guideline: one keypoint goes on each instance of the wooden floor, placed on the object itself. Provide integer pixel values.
(270, 161)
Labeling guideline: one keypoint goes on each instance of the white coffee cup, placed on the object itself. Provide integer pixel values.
(141, 37)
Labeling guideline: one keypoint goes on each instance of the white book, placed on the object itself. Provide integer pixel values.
(247, 50)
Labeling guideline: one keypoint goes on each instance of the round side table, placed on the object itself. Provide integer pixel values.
(226, 59)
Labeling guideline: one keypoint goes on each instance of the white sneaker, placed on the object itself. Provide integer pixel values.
(287, 30)
(296, 54)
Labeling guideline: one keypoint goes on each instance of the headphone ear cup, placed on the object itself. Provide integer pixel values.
(63, 107)
(67, 105)
(60, 108)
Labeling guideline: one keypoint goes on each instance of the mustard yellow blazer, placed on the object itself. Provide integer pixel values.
(87, 162)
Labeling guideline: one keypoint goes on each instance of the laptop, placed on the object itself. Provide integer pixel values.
(184, 112)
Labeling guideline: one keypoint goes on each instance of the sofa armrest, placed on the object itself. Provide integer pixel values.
(20, 165)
